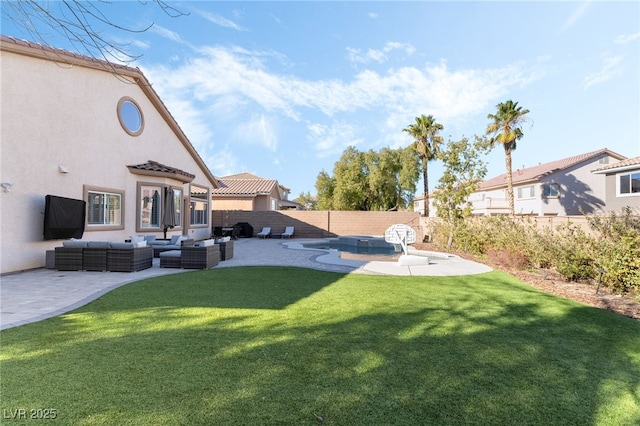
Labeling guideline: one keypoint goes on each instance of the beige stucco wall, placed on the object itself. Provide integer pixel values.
(221, 203)
(55, 114)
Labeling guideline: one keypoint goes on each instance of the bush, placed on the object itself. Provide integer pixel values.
(613, 245)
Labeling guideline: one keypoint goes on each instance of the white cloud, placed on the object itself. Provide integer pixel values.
(232, 93)
(257, 130)
(220, 21)
(333, 138)
(223, 162)
(627, 38)
(165, 33)
(378, 55)
(575, 16)
(608, 71)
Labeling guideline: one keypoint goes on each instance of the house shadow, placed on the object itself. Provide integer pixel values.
(577, 197)
(240, 288)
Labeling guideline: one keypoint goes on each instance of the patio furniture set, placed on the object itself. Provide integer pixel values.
(137, 254)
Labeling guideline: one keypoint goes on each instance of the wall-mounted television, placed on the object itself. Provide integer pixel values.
(63, 218)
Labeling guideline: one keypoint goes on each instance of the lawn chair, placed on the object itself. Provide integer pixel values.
(265, 233)
(288, 232)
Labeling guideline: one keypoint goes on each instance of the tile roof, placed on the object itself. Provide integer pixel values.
(61, 54)
(154, 167)
(542, 170)
(244, 175)
(244, 186)
(629, 162)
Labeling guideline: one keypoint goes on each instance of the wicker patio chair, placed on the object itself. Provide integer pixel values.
(200, 257)
(94, 256)
(122, 257)
(226, 249)
(68, 258)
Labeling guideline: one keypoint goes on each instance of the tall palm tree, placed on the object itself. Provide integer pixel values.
(506, 129)
(425, 132)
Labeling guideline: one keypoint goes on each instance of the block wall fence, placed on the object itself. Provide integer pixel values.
(324, 224)
(320, 224)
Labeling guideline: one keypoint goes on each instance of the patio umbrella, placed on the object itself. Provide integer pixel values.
(169, 211)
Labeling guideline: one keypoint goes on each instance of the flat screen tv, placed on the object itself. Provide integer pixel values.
(63, 218)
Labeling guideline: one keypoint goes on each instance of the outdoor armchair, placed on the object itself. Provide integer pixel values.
(265, 233)
(204, 256)
(288, 232)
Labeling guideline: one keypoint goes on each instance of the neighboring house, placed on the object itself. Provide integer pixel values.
(559, 188)
(622, 184)
(246, 191)
(80, 128)
(418, 205)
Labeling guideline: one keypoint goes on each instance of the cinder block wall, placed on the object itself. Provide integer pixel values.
(320, 224)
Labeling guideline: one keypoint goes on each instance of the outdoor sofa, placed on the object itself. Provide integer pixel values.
(78, 255)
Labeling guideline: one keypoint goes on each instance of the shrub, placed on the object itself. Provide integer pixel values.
(613, 245)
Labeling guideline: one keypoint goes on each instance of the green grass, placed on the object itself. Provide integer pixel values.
(273, 345)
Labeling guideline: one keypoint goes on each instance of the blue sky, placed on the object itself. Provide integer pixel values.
(280, 89)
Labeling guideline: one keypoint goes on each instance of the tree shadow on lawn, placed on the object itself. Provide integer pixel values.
(272, 287)
(437, 351)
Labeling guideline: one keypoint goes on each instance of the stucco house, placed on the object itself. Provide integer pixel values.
(246, 191)
(559, 188)
(79, 128)
(622, 184)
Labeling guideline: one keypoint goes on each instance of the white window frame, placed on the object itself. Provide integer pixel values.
(116, 214)
(628, 175)
(145, 206)
(532, 190)
(199, 206)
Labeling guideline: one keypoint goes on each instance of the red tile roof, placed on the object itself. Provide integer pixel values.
(540, 171)
(629, 162)
(244, 186)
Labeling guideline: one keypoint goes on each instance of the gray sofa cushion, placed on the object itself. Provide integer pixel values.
(74, 244)
(99, 244)
(121, 246)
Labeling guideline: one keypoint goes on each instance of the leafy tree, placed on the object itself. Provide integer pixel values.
(307, 201)
(350, 174)
(83, 23)
(383, 180)
(464, 170)
(325, 185)
(506, 130)
(427, 143)
(393, 174)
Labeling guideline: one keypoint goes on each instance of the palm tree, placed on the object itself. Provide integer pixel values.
(505, 128)
(424, 131)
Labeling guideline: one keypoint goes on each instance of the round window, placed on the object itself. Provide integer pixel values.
(130, 116)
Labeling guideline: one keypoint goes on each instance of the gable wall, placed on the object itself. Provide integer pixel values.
(62, 115)
(615, 203)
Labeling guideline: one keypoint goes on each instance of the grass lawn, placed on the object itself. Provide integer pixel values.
(275, 345)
